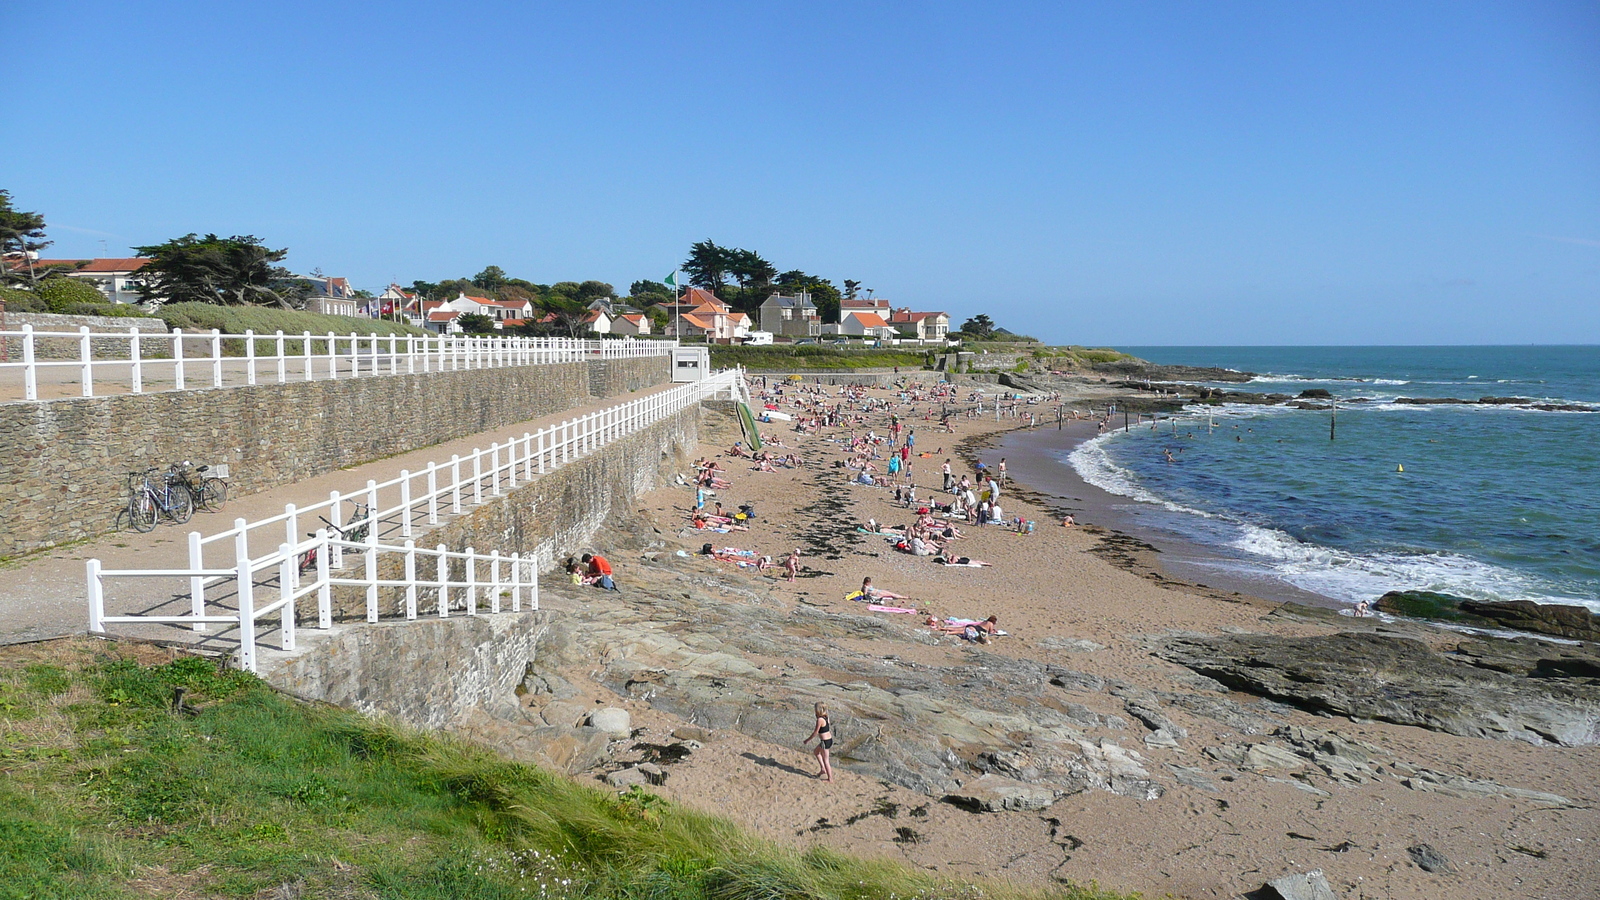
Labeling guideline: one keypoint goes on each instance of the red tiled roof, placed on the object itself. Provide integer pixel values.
(696, 321)
(869, 320)
(443, 315)
(634, 318)
(905, 315)
(701, 296)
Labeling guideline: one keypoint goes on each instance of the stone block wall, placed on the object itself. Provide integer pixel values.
(431, 671)
(63, 462)
(67, 348)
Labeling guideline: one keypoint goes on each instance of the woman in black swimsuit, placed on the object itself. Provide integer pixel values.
(823, 732)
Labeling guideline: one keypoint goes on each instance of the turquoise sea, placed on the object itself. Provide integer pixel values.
(1494, 501)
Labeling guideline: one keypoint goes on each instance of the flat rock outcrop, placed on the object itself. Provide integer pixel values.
(1394, 679)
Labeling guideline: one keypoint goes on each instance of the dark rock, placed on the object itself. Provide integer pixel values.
(1505, 401)
(1422, 605)
(1312, 885)
(1431, 401)
(1372, 676)
(1430, 860)
(1575, 622)
(1316, 394)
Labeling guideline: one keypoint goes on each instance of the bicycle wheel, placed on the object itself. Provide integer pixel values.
(178, 505)
(213, 493)
(141, 512)
(308, 560)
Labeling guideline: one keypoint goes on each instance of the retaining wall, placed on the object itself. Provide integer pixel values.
(430, 671)
(63, 463)
(68, 348)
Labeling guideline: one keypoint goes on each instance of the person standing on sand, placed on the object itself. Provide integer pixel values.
(945, 470)
(792, 564)
(823, 732)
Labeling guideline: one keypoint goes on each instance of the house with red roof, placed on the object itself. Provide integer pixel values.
(631, 324)
(864, 324)
(116, 278)
(923, 326)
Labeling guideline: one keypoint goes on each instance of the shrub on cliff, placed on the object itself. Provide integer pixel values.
(19, 300)
(61, 293)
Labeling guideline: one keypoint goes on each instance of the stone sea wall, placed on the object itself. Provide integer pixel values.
(63, 462)
(430, 672)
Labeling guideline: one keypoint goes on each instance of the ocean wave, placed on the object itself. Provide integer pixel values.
(1352, 577)
(1337, 574)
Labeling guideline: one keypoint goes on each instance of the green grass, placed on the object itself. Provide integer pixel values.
(109, 793)
(790, 358)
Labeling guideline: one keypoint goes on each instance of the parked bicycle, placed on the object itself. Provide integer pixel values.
(355, 531)
(148, 502)
(207, 491)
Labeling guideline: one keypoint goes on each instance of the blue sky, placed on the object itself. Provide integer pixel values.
(1134, 173)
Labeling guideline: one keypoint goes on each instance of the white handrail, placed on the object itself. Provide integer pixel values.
(145, 353)
(482, 576)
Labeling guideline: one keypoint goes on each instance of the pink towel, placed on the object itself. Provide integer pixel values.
(894, 609)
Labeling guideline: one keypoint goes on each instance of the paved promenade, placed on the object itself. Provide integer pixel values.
(44, 595)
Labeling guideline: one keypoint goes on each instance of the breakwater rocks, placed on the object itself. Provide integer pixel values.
(1555, 619)
(1142, 370)
(1493, 690)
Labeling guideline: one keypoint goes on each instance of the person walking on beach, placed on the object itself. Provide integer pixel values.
(945, 470)
(792, 564)
(823, 732)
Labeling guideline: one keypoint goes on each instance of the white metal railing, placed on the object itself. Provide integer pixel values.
(396, 508)
(195, 359)
(489, 576)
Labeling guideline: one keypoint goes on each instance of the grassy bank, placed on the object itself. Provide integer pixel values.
(266, 320)
(790, 358)
(109, 792)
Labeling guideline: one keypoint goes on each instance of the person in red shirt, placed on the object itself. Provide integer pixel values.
(599, 573)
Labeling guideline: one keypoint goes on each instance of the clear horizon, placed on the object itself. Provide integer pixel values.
(1157, 174)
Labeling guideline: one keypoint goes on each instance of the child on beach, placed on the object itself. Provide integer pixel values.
(823, 732)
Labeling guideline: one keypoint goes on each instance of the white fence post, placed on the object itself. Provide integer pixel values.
(477, 476)
(472, 582)
(286, 568)
(455, 484)
(197, 583)
(516, 582)
(533, 582)
(494, 469)
(305, 352)
(291, 530)
(494, 581)
(444, 582)
(177, 359)
(86, 351)
(97, 592)
(250, 356)
(336, 509)
(324, 548)
(333, 357)
(247, 605)
(216, 362)
(30, 369)
(278, 356)
(136, 365)
(433, 493)
(405, 503)
(411, 579)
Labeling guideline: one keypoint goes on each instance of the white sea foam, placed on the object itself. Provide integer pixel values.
(1338, 574)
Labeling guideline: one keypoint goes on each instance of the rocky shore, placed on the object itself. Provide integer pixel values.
(1131, 729)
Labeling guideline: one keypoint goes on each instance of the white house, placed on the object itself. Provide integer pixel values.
(923, 326)
(868, 325)
(117, 279)
(598, 321)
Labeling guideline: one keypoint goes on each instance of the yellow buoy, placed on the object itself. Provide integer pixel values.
(1400, 468)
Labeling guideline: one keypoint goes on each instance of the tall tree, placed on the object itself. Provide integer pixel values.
(851, 288)
(707, 265)
(979, 326)
(749, 269)
(490, 278)
(213, 269)
(21, 234)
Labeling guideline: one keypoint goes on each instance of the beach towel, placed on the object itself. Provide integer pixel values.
(889, 609)
(967, 565)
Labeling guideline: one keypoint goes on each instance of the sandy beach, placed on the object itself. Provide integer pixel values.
(1194, 790)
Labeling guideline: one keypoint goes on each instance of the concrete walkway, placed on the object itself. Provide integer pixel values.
(44, 595)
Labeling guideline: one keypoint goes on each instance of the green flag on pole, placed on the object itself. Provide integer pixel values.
(671, 281)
